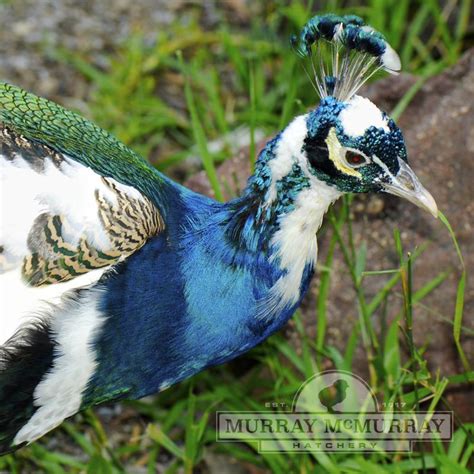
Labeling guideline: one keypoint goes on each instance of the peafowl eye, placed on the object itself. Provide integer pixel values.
(116, 282)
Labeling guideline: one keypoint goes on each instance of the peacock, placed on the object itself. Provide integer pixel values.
(117, 282)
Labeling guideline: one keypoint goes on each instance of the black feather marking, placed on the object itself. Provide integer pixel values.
(318, 156)
(245, 213)
(13, 145)
(24, 360)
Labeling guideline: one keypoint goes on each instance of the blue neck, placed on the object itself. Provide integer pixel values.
(192, 297)
(251, 219)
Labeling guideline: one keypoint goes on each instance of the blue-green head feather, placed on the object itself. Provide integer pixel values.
(349, 33)
(353, 145)
(350, 144)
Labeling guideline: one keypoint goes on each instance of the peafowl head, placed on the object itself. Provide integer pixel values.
(350, 144)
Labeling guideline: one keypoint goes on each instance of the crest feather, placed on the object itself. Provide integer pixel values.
(344, 53)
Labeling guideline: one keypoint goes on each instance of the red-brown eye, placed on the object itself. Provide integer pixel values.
(355, 159)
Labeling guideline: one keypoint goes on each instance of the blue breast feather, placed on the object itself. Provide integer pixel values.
(185, 301)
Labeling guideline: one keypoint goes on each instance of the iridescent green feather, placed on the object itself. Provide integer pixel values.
(41, 120)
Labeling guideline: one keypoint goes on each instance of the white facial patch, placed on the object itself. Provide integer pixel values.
(359, 115)
(287, 153)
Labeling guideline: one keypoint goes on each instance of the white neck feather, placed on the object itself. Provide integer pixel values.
(294, 243)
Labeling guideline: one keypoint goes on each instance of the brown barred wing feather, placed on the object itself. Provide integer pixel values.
(70, 220)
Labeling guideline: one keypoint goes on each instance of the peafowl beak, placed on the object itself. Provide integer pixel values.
(406, 185)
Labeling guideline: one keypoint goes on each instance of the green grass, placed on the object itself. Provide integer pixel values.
(217, 81)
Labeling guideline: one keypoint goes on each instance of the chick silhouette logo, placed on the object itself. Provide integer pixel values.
(334, 392)
(333, 395)
(333, 411)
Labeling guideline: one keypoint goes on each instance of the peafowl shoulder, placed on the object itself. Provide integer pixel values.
(116, 282)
